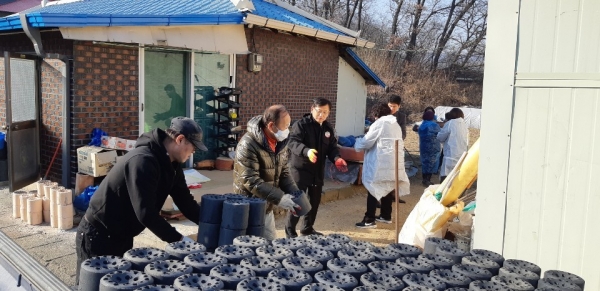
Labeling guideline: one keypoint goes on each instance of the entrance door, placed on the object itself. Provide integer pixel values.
(165, 88)
(22, 128)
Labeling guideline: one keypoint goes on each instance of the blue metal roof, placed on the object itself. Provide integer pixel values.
(142, 7)
(354, 57)
(134, 13)
(272, 11)
(10, 22)
(152, 12)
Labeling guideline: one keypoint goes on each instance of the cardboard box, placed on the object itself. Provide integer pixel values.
(111, 142)
(130, 144)
(121, 144)
(95, 161)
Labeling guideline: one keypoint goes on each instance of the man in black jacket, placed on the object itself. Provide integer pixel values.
(312, 140)
(261, 164)
(394, 102)
(129, 199)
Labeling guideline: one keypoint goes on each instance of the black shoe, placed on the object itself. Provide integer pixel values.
(292, 234)
(366, 224)
(311, 232)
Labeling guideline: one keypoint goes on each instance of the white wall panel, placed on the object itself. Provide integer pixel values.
(497, 109)
(561, 36)
(551, 204)
(351, 101)
(555, 150)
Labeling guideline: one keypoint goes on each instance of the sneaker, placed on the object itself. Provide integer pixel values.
(366, 224)
(381, 219)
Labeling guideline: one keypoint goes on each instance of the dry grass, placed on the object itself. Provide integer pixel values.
(418, 86)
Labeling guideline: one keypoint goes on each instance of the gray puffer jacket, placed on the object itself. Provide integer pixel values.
(260, 172)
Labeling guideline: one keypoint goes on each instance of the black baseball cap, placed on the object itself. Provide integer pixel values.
(190, 129)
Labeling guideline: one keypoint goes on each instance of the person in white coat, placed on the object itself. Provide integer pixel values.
(455, 137)
(378, 166)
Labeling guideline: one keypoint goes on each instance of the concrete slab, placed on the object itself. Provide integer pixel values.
(56, 249)
(39, 239)
(64, 268)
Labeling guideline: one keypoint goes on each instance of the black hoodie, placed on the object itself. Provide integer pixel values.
(129, 199)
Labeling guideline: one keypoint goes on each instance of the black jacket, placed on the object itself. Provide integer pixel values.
(129, 199)
(258, 171)
(401, 118)
(308, 134)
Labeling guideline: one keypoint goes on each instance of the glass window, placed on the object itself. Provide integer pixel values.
(165, 88)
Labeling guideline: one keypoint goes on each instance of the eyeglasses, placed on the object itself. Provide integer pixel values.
(321, 112)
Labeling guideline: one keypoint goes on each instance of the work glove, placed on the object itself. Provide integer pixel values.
(341, 165)
(287, 203)
(186, 239)
(312, 155)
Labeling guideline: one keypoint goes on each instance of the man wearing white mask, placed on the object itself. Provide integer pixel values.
(261, 164)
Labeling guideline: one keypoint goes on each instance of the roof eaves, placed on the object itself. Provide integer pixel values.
(254, 19)
(367, 73)
(10, 22)
(42, 19)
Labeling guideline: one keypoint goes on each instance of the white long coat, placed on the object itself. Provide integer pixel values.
(378, 166)
(455, 137)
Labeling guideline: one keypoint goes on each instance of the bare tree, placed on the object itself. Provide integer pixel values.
(414, 30)
(396, 15)
(452, 21)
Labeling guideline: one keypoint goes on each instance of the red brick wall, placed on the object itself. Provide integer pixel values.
(53, 74)
(295, 70)
(51, 89)
(105, 77)
(105, 93)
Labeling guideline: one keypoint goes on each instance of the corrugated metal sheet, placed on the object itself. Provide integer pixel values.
(552, 204)
(552, 207)
(559, 36)
(272, 11)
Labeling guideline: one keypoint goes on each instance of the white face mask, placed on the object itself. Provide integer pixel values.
(282, 134)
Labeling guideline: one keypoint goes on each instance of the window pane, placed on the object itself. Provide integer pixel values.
(164, 89)
(211, 71)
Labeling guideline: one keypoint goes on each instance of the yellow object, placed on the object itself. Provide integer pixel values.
(431, 215)
(233, 115)
(312, 155)
(467, 173)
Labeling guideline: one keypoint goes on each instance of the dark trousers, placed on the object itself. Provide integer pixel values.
(92, 242)
(314, 195)
(386, 207)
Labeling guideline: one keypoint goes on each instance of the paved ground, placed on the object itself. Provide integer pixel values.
(343, 205)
